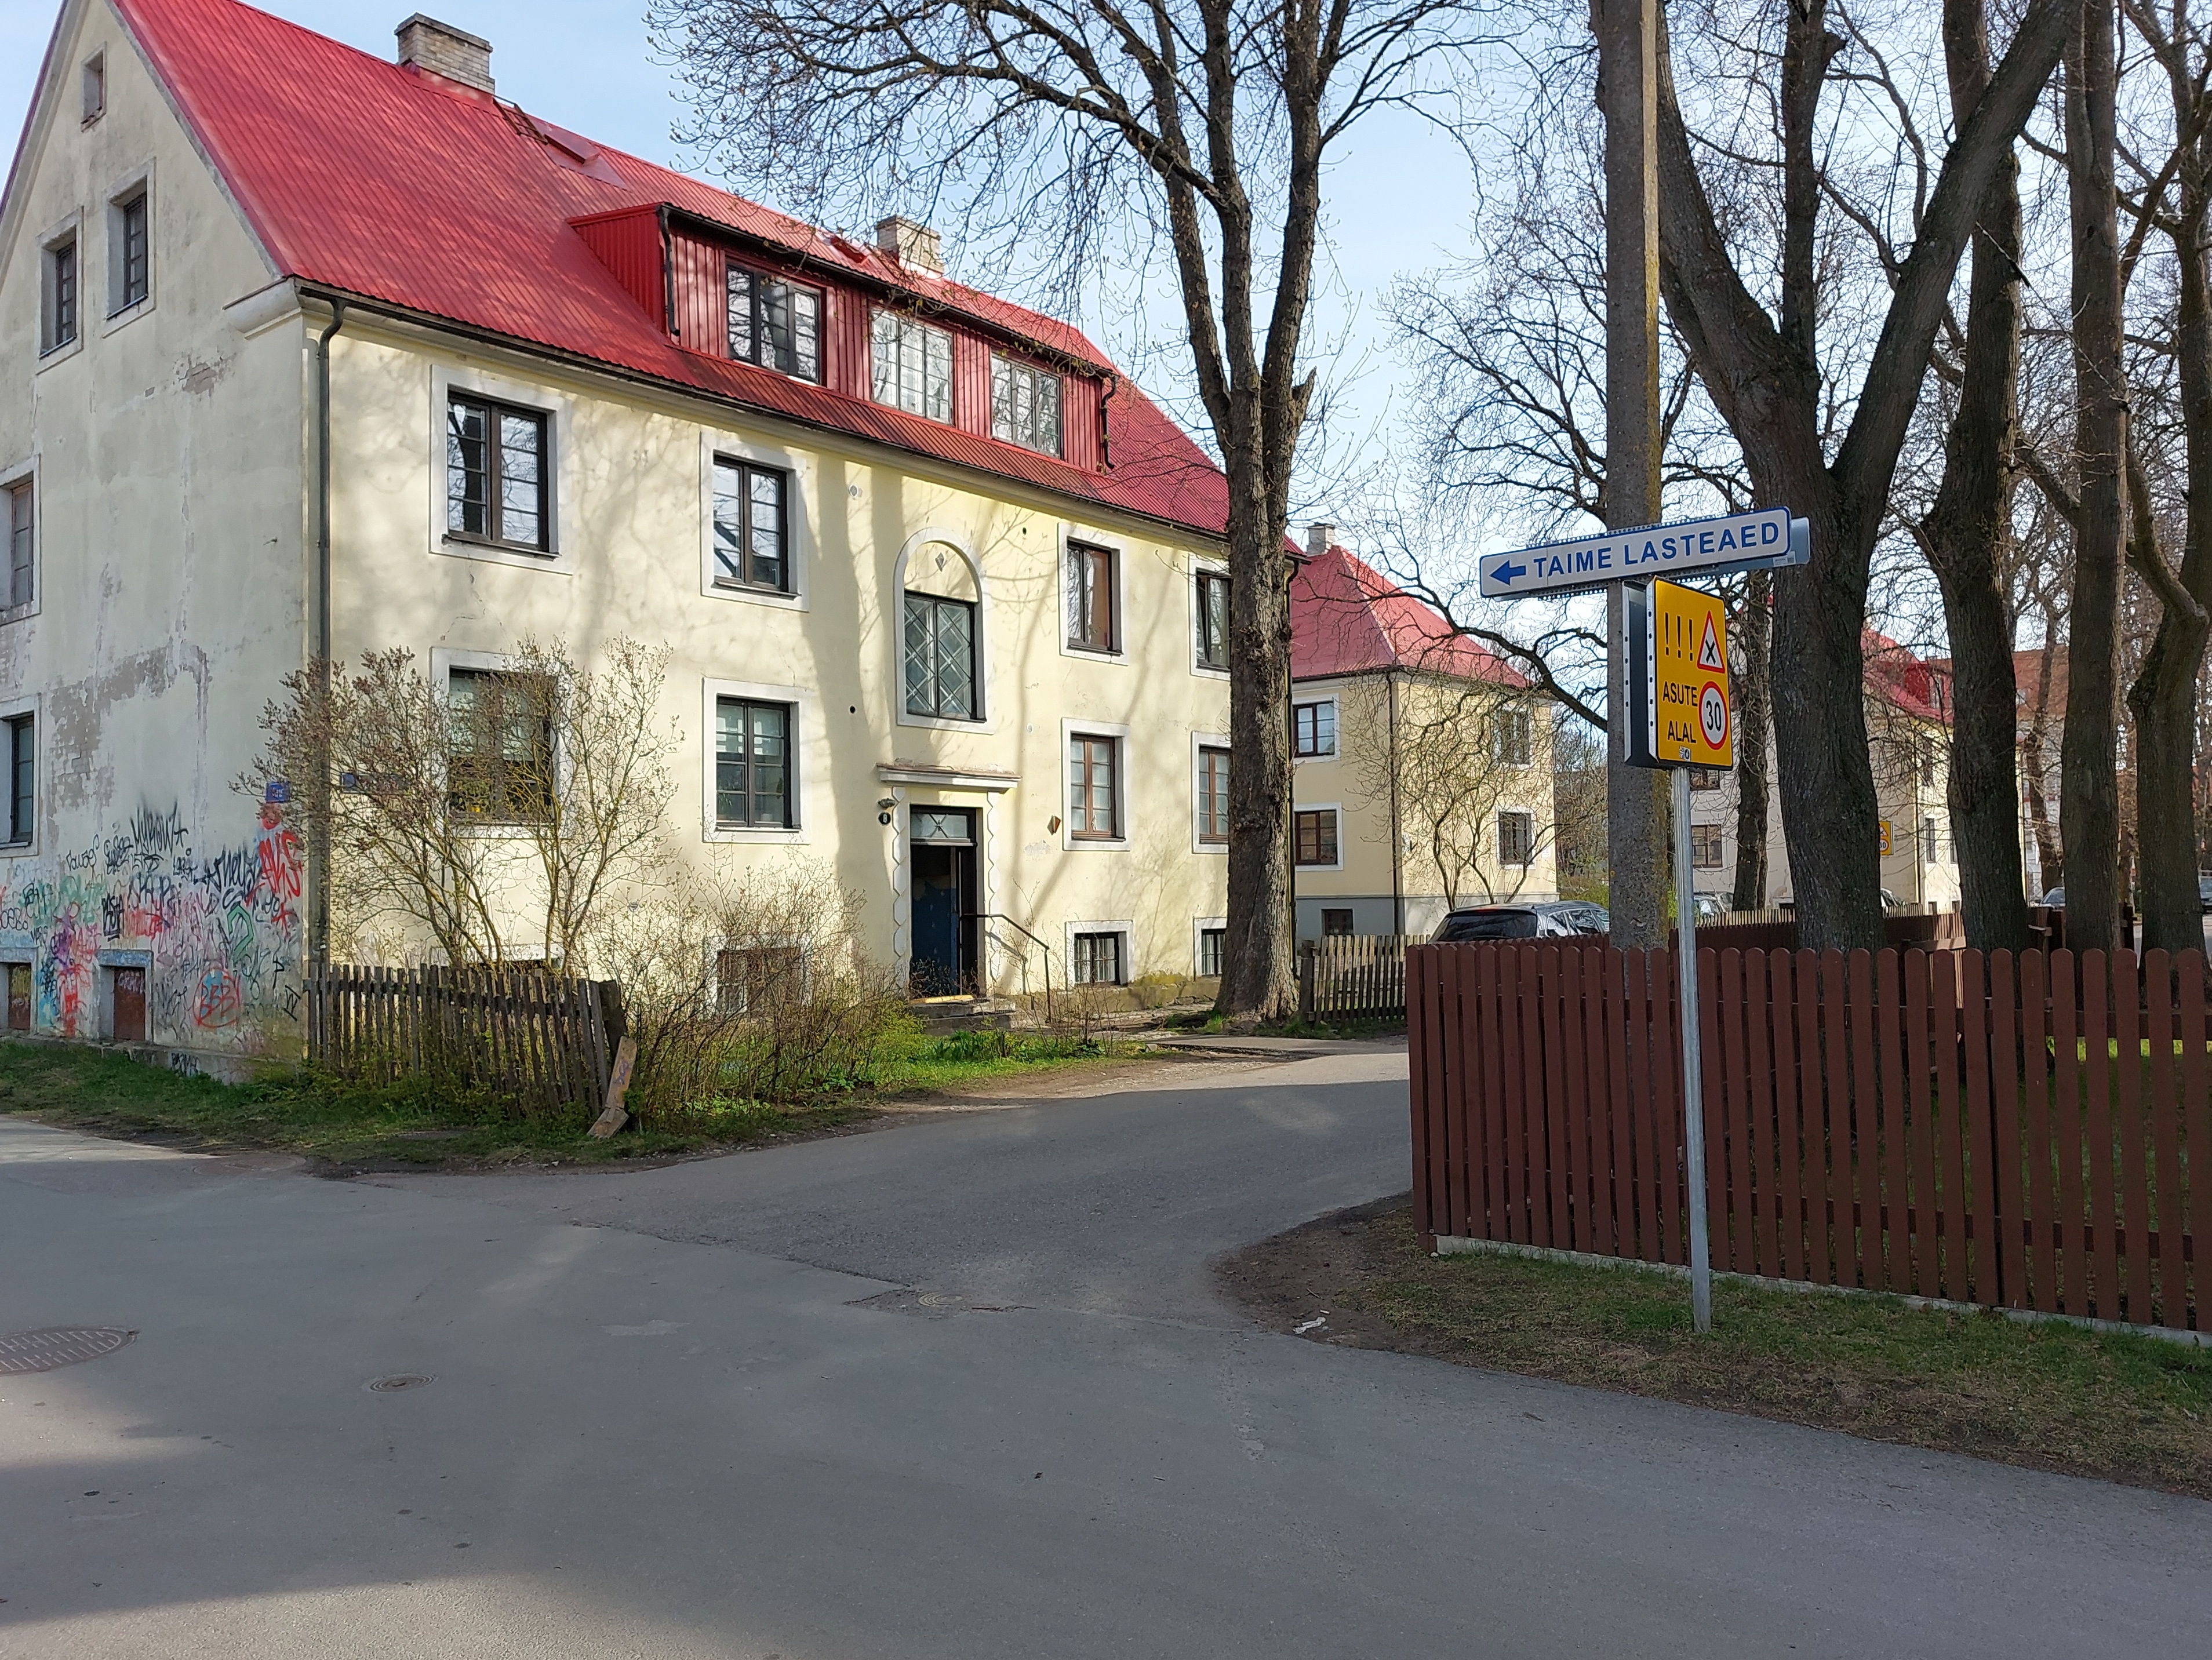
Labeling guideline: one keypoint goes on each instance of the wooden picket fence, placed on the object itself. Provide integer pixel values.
(2029, 1133)
(541, 1041)
(1362, 975)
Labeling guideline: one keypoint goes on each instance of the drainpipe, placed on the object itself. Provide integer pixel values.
(318, 842)
(1397, 839)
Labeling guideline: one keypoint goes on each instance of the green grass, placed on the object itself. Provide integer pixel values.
(345, 1126)
(2049, 1395)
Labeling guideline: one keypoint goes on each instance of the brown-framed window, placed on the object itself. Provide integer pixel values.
(22, 542)
(751, 526)
(500, 767)
(61, 295)
(1213, 796)
(1704, 778)
(1314, 835)
(1706, 851)
(1094, 805)
(751, 979)
(1024, 404)
(1515, 735)
(776, 323)
(941, 657)
(1091, 595)
(1336, 924)
(752, 765)
(1098, 959)
(132, 226)
(913, 365)
(19, 997)
(496, 476)
(1516, 838)
(1313, 729)
(23, 780)
(1213, 619)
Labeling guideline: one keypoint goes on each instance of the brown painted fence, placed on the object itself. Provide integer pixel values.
(2031, 1132)
(544, 1041)
(1353, 973)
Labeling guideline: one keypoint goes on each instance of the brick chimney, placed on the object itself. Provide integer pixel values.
(1319, 536)
(442, 49)
(911, 244)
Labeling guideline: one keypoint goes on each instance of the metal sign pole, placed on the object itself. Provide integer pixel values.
(1693, 1092)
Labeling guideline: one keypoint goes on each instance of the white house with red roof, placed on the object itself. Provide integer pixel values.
(1423, 768)
(318, 353)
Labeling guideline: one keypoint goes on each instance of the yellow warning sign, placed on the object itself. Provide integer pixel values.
(1691, 723)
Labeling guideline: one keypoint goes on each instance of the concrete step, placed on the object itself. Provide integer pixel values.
(940, 1017)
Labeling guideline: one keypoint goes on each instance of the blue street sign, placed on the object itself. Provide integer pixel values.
(1762, 540)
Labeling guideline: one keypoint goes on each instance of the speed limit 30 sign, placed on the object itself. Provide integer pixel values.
(1678, 679)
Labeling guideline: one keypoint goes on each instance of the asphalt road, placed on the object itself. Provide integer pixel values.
(656, 1434)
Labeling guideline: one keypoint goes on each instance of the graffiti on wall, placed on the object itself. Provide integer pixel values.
(218, 929)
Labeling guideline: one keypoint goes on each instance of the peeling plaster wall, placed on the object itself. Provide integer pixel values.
(167, 447)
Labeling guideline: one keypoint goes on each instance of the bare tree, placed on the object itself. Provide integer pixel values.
(1064, 118)
(1762, 371)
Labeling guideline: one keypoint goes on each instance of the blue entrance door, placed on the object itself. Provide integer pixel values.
(942, 896)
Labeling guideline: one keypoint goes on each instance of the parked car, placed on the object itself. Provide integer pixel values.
(2055, 898)
(1499, 923)
(1580, 916)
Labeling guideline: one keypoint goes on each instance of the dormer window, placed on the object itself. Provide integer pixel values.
(776, 323)
(912, 366)
(1024, 404)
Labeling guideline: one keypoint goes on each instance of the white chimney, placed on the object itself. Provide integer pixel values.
(442, 49)
(1319, 538)
(911, 244)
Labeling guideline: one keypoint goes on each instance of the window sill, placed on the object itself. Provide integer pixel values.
(756, 833)
(49, 356)
(130, 315)
(21, 613)
(1213, 671)
(751, 590)
(945, 722)
(1085, 649)
(454, 546)
(1076, 843)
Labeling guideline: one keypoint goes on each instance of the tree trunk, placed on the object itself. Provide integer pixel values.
(1753, 721)
(1965, 532)
(2088, 794)
(1257, 976)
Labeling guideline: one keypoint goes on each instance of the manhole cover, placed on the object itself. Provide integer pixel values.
(59, 1346)
(397, 1381)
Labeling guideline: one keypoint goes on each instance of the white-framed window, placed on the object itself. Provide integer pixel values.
(755, 779)
(1097, 808)
(131, 246)
(1210, 939)
(1098, 951)
(1931, 840)
(913, 365)
(1209, 618)
(751, 526)
(776, 323)
(1516, 839)
(940, 644)
(1316, 842)
(61, 292)
(1313, 729)
(1513, 734)
(1024, 404)
(92, 88)
(1093, 587)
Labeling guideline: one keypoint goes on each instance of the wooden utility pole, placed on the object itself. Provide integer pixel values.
(1628, 98)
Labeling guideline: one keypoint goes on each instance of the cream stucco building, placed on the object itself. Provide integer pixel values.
(317, 354)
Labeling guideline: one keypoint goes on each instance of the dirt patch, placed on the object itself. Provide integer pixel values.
(2045, 1396)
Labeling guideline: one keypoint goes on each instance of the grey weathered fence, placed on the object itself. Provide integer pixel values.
(1361, 974)
(544, 1040)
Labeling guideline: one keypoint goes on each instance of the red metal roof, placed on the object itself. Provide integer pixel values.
(1346, 618)
(1912, 686)
(400, 186)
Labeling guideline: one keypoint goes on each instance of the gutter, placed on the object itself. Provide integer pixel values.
(318, 842)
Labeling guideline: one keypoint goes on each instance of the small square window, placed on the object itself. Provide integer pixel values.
(1210, 942)
(1213, 796)
(776, 323)
(1094, 807)
(1091, 624)
(1024, 404)
(1705, 847)
(496, 476)
(751, 521)
(1314, 833)
(1098, 959)
(60, 297)
(912, 366)
(1336, 924)
(1516, 839)
(1313, 729)
(22, 543)
(1704, 778)
(1213, 619)
(93, 85)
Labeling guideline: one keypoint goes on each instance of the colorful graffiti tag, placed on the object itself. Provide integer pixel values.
(219, 932)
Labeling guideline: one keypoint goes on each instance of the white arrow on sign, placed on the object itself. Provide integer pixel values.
(1740, 541)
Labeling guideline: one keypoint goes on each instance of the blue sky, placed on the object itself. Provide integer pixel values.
(1399, 200)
